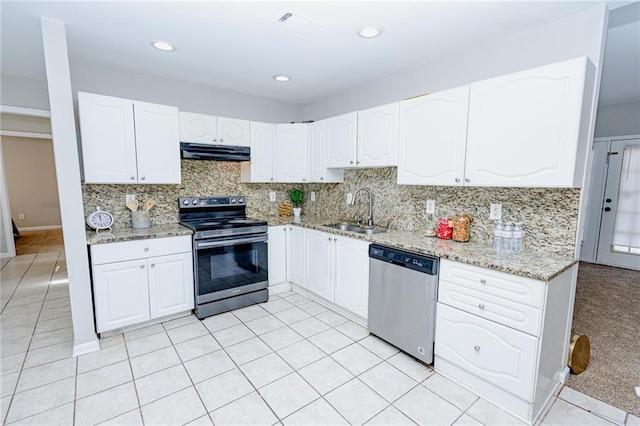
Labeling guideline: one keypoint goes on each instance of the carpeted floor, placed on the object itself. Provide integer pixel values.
(31, 242)
(607, 310)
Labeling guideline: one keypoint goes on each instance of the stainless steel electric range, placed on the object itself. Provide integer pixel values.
(229, 254)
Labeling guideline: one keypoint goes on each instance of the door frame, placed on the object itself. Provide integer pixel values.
(5, 204)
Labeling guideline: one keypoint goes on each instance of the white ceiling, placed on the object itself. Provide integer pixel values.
(237, 46)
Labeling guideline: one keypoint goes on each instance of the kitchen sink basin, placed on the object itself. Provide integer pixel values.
(354, 228)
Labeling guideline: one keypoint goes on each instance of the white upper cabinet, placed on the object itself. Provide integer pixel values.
(378, 136)
(209, 129)
(318, 172)
(261, 168)
(292, 142)
(524, 128)
(341, 140)
(433, 138)
(126, 141)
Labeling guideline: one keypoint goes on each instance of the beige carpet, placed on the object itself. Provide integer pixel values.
(607, 310)
(31, 242)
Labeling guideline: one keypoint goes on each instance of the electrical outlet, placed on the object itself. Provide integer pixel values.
(495, 212)
(313, 195)
(430, 206)
(21, 216)
(129, 197)
(272, 196)
(349, 198)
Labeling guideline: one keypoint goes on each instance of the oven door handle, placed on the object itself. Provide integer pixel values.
(234, 242)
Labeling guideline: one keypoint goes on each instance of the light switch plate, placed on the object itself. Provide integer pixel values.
(129, 197)
(272, 196)
(495, 212)
(349, 198)
(430, 206)
(313, 195)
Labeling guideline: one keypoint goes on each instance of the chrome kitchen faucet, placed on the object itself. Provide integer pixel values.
(370, 215)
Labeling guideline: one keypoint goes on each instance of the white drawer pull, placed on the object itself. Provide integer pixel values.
(141, 266)
(483, 281)
(476, 348)
(153, 265)
(481, 306)
(146, 249)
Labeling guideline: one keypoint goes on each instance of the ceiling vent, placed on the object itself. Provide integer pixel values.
(298, 23)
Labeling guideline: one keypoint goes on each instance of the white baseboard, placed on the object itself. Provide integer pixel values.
(40, 228)
(85, 348)
(5, 255)
(279, 288)
(562, 376)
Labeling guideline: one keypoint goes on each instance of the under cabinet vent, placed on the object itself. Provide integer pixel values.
(298, 23)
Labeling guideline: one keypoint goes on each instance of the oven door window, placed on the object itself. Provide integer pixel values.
(230, 266)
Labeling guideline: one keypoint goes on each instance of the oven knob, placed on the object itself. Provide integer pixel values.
(185, 202)
(194, 202)
(233, 201)
(240, 200)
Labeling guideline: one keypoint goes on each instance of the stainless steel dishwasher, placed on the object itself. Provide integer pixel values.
(403, 291)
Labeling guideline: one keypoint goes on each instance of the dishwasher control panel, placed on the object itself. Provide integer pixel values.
(418, 262)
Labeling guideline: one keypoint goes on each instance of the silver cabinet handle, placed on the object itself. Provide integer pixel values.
(483, 281)
(271, 178)
(480, 305)
(146, 249)
(467, 180)
(329, 238)
(141, 266)
(142, 178)
(321, 178)
(221, 140)
(357, 162)
(476, 348)
(215, 139)
(133, 178)
(303, 179)
(350, 162)
(457, 179)
(153, 265)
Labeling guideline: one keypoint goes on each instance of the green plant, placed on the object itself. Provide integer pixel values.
(296, 196)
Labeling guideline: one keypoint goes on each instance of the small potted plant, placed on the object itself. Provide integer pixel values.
(296, 196)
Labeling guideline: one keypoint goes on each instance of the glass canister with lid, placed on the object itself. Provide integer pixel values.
(461, 227)
(444, 230)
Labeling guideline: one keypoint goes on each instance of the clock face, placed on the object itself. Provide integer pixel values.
(100, 220)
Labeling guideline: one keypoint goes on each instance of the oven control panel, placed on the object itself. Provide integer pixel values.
(195, 202)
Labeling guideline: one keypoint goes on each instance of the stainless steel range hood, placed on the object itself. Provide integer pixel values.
(201, 151)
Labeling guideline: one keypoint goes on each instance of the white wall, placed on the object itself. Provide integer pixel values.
(618, 120)
(576, 35)
(23, 92)
(104, 80)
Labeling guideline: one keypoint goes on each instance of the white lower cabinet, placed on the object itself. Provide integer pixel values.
(505, 337)
(277, 255)
(135, 281)
(296, 260)
(337, 269)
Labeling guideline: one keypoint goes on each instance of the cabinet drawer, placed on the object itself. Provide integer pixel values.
(139, 249)
(515, 315)
(495, 353)
(506, 286)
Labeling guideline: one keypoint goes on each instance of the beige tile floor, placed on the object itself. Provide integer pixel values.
(290, 361)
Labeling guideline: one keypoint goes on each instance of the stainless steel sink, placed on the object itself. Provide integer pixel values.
(354, 228)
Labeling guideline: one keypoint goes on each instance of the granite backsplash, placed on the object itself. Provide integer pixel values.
(550, 215)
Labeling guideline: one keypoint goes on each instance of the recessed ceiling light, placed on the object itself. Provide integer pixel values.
(163, 45)
(369, 31)
(281, 77)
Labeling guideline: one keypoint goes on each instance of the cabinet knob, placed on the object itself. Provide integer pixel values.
(457, 179)
(271, 178)
(329, 238)
(467, 180)
(350, 162)
(153, 265)
(476, 348)
(142, 178)
(321, 178)
(146, 249)
(480, 305)
(221, 140)
(607, 209)
(133, 178)
(357, 162)
(215, 140)
(141, 266)
(303, 179)
(483, 281)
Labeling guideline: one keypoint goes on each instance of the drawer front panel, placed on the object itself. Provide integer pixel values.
(497, 354)
(515, 315)
(139, 249)
(510, 287)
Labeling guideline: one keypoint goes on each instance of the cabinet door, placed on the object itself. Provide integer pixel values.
(261, 168)
(277, 255)
(232, 131)
(120, 294)
(524, 127)
(433, 138)
(378, 136)
(316, 149)
(352, 275)
(340, 141)
(291, 152)
(108, 139)
(296, 258)
(157, 143)
(319, 272)
(170, 284)
(198, 128)
(500, 355)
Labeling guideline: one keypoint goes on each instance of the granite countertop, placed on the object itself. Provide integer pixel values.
(129, 234)
(533, 265)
